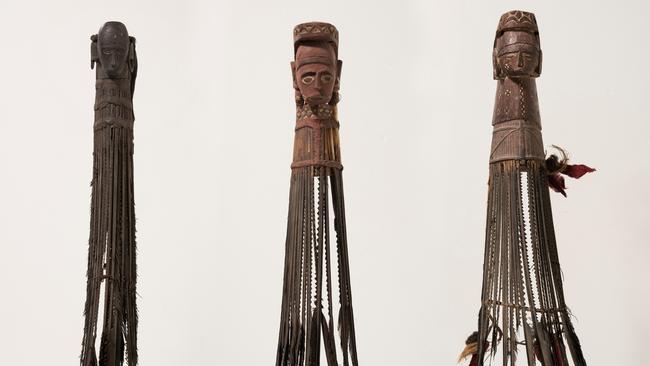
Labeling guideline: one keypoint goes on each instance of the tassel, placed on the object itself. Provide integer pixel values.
(557, 166)
(471, 349)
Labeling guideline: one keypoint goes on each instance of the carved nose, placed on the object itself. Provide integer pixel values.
(520, 60)
(317, 83)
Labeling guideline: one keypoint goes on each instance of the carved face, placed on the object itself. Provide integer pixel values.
(113, 47)
(518, 55)
(316, 72)
(519, 60)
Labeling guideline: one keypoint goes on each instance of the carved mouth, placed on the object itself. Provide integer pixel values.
(519, 72)
(112, 70)
(316, 99)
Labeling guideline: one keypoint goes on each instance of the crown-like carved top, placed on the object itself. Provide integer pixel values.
(518, 20)
(113, 34)
(316, 31)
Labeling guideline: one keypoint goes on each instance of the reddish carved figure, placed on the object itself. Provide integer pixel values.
(316, 266)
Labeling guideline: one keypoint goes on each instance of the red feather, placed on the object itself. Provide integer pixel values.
(556, 182)
(474, 360)
(556, 166)
(577, 171)
(559, 360)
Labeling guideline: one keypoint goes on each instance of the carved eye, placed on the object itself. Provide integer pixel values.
(107, 52)
(307, 79)
(327, 78)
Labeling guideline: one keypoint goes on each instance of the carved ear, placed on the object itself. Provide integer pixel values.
(133, 57)
(94, 54)
(496, 69)
(293, 75)
(496, 72)
(133, 64)
(298, 96)
(538, 70)
(339, 66)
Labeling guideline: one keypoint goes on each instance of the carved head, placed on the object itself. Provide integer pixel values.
(517, 53)
(316, 70)
(113, 44)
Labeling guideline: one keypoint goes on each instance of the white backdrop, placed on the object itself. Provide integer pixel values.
(214, 131)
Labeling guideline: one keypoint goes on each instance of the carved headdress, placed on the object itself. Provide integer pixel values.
(315, 32)
(517, 20)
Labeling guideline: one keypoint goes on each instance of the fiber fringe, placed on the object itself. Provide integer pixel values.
(111, 252)
(522, 297)
(307, 312)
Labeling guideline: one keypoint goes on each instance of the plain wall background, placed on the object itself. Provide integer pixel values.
(213, 140)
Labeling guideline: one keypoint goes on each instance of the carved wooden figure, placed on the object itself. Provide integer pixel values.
(316, 263)
(522, 297)
(111, 252)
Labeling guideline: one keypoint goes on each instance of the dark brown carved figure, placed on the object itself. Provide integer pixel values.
(522, 296)
(111, 252)
(311, 257)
